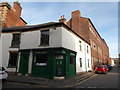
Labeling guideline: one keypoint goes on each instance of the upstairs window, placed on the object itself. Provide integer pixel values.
(45, 37)
(16, 40)
(80, 45)
(87, 49)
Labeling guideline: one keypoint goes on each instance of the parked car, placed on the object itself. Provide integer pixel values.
(109, 67)
(101, 69)
(119, 64)
(3, 73)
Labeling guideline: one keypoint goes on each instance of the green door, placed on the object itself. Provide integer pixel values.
(60, 68)
(24, 60)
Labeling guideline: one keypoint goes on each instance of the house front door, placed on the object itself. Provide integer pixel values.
(24, 60)
(60, 70)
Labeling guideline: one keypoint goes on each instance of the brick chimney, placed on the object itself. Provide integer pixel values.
(62, 19)
(17, 8)
(75, 24)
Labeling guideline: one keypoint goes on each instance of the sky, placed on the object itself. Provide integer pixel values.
(104, 16)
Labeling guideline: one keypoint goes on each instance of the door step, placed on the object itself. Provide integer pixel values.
(59, 78)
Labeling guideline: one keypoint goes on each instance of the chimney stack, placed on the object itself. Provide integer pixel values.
(62, 19)
(17, 8)
(75, 21)
(76, 14)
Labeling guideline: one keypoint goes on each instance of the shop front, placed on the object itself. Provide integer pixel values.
(49, 63)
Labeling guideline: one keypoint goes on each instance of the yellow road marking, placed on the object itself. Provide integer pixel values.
(79, 82)
(57, 87)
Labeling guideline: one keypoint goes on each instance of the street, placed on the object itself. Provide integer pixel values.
(110, 80)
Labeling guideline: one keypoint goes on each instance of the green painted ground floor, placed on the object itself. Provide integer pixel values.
(48, 63)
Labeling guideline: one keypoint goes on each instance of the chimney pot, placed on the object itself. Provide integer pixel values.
(62, 19)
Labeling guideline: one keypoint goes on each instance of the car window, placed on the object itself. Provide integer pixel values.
(99, 67)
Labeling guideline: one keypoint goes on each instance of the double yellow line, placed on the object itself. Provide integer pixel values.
(76, 84)
(46, 86)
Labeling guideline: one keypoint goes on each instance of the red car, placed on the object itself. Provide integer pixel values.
(101, 69)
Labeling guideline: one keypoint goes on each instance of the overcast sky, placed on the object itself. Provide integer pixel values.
(104, 16)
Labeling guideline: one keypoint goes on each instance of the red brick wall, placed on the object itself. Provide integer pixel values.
(12, 15)
(99, 48)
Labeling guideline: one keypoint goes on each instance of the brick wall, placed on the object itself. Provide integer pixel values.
(85, 28)
(11, 15)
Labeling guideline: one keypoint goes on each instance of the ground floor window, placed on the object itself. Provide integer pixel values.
(13, 59)
(41, 59)
(71, 60)
(88, 63)
(80, 62)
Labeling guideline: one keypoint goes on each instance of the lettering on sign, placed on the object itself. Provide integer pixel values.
(41, 64)
(59, 57)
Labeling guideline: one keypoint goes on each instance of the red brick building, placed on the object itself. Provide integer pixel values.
(10, 16)
(85, 28)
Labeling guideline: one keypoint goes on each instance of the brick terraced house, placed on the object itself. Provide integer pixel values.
(85, 28)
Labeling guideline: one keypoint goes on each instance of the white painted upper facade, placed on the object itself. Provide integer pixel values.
(59, 37)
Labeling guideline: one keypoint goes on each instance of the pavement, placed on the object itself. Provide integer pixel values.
(43, 82)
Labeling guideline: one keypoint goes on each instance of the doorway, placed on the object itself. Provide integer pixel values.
(60, 65)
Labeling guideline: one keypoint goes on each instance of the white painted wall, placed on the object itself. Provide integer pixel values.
(6, 39)
(71, 41)
(32, 39)
(6, 43)
(60, 37)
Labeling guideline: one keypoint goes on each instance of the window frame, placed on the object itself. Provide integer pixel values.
(80, 42)
(11, 60)
(88, 64)
(73, 59)
(15, 40)
(41, 64)
(42, 43)
(87, 49)
(80, 62)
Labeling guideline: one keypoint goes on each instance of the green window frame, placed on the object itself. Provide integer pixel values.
(41, 59)
(80, 62)
(72, 60)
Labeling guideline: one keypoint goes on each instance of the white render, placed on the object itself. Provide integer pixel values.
(30, 40)
(59, 37)
(71, 41)
(6, 43)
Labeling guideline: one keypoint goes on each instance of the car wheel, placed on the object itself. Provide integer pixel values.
(105, 72)
(3, 80)
(95, 72)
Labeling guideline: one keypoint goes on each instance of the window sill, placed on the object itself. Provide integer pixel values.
(14, 47)
(43, 45)
(11, 67)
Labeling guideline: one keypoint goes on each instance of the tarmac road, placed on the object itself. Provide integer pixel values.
(110, 80)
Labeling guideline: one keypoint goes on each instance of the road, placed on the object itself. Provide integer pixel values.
(110, 80)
